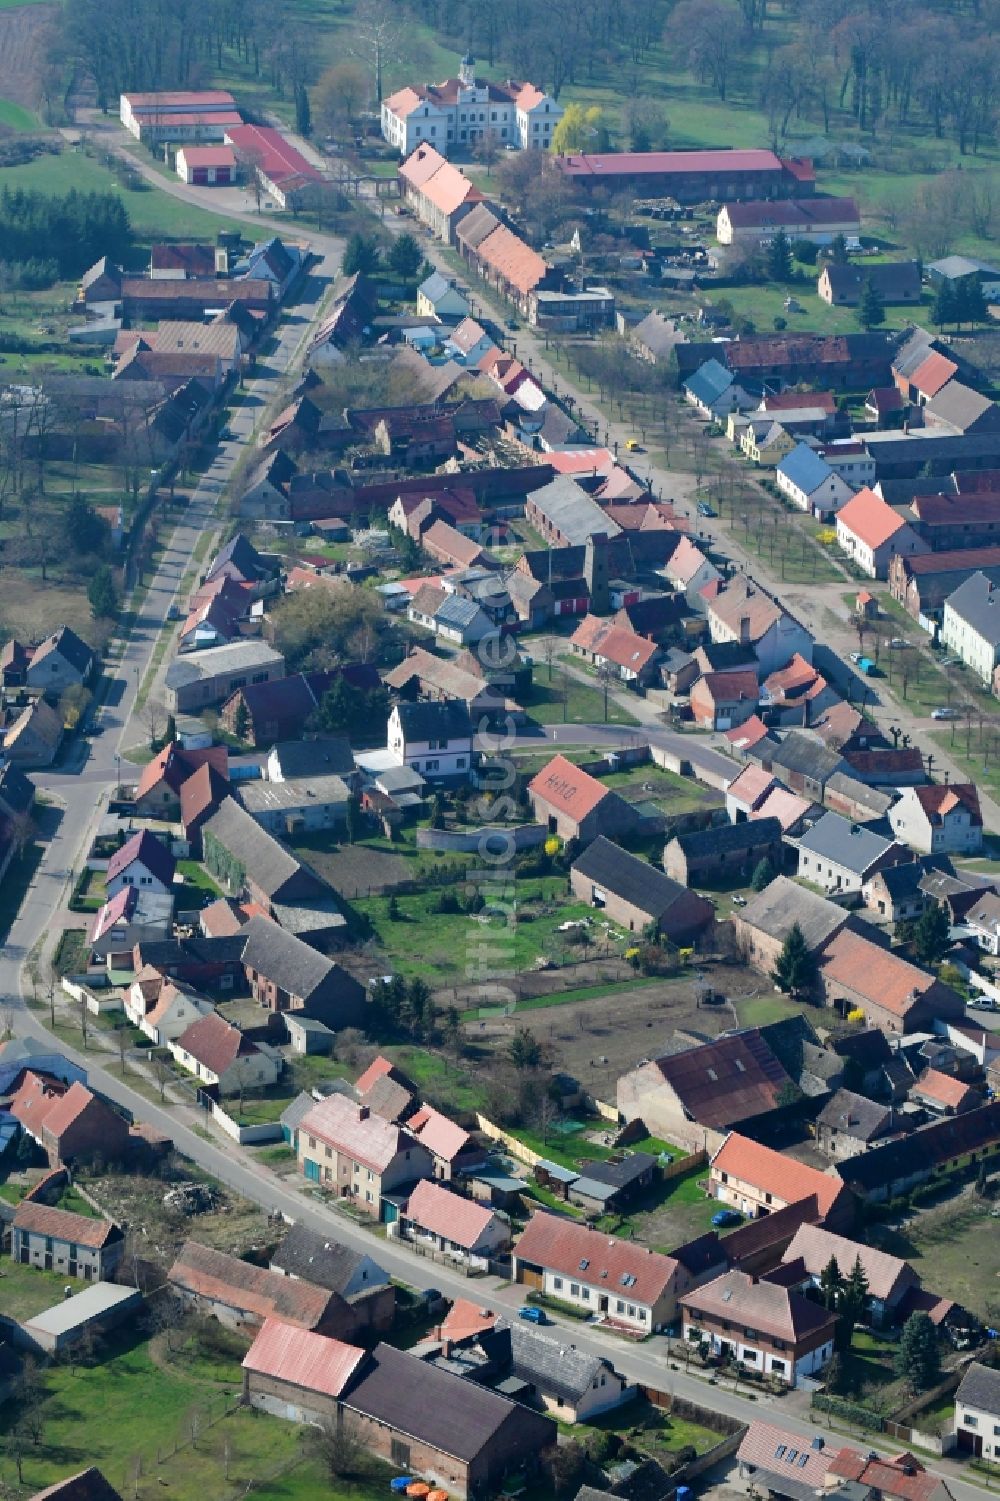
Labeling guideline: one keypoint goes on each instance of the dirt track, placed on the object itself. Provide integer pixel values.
(22, 34)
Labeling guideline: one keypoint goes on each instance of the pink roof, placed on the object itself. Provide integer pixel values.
(196, 98)
(751, 786)
(783, 805)
(582, 461)
(942, 1088)
(465, 1319)
(351, 1128)
(625, 649)
(208, 156)
(438, 1134)
(747, 734)
(421, 166)
(375, 1070)
(449, 188)
(617, 163)
(435, 1208)
(302, 1358)
(228, 119)
(113, 911)
(933, 373)
(776, 1450)
(515, 261)
(686, 560)
(869, 518)
(279, 160)
(65, 1110)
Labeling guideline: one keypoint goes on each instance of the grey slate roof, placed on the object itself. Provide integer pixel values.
(980, 1387)
(961, 406)
(854, 1115)
(855, 846)
(444, 1411)
(571, 511)
(634, 880)
(731, 837)
(293, 1114)
(809, 757)
(318, 1259)
(296, 966)
(977, 602)
(329, 754)
(428, 721)
(903, 880)
(236, 656)
(267, 862)
(553, 1366)
(782, 904)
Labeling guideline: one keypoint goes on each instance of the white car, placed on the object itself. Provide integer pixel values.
(945, 713)
(983, 1003)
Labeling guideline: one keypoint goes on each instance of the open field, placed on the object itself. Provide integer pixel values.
(565, 700)
(955, 1248)
(26, 1290)
(444, 946)
(671, 793)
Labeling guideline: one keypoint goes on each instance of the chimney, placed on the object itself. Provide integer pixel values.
(221, 260)
(363, 1112)
(744, 630)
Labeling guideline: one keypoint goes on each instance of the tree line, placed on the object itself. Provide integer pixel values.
(73, 229)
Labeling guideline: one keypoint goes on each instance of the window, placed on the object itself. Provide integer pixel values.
(432, 765)
(557, 1283)
(970, 1421)
(460, 761)
(574, 1289)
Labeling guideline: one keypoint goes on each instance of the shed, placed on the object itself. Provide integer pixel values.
(97, 1309)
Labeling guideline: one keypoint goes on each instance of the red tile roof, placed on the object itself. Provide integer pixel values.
(375, 1070)
(351, 1129)
(515, 261)
(448, 188)
(781, 1452)
(771, 1172)
(751, 786)
(944, 1090)
(902, 1476)
(421, 165)
(61, 1224)
(277, 158)
(435, 1208)
(561, 1245)
(237, 1284)
(729, 687)
(202, 793)
(933, 373)
(437, 1133)
(302, 1358)
(870, 518)
(465, 1320)
(627, 650)
(887, 980)
(208, 156)
(215, 1043)
(937, 801)
(747, 735)
(67, 1109)
(567, 788)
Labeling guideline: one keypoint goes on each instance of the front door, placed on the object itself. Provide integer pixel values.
(602, 1304)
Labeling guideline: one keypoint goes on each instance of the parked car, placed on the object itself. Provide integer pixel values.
(945, 713)
(532, 1314)
(723, 1218)
(704, 509)
(897, 643)
(984, 1003)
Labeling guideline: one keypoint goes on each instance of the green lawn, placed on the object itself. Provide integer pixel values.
(26, 1290)
(15, 115)
(152, 213)
(446, 947)
(564, 700)
(196, 876)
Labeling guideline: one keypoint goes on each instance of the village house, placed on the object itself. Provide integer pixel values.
(408, 1412)
(456, 619)
(162, 1008)
(841, 856)
(983, 921)
(939, 820)
(743, 612)
(353, 1275)
(711, 390)
(949, 1145)
(727, 854)
(690, 1096)
(287, 975)
(34, 737)
(892, 994)
(143, 862)
(572, 1385)
(219, 1054)
(970, 628)
(896, 282)
(747, 791)
(242, 1296)
(871, 533)
(57, 1240)
(575, 805)
(158, 791)
(765, 440)
(890, 1279)
(977, 1412)
(248, 860)
(438, 297)
(688, 568)
(781, 1464)
(850, 1123)
(756, 1180)
(459, 1228)
(941, 1094)
(636, 895)
(895, 892)
(922, 584)
(770, 1328)
(198, 679)
(61, 661)
(439, 194)
(452, 1148)
(811, 483)
(815, 218)
(435, 739)
(360, 1156)
(131, 917)
(623, 1283)
(71, 1125)
(763, 925)
(724, 700)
